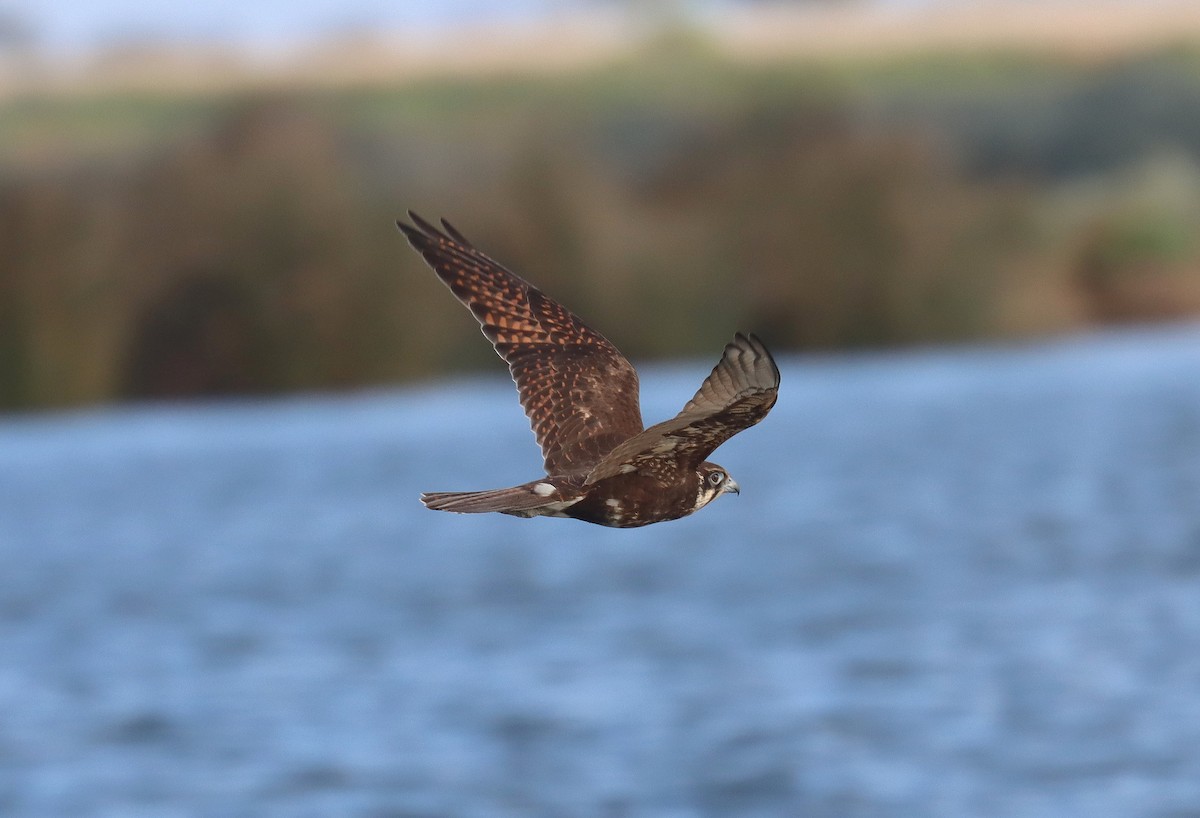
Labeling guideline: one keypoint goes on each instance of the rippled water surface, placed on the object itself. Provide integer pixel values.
(954, 584)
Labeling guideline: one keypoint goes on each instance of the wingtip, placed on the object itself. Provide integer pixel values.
(425, 230)
(749, 339)
(749, 342)
(421, 234)
(454, 233)
(417, 230)
(745, 341)
(424, 226)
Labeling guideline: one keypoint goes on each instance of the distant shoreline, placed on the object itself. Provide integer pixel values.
(1074, 30)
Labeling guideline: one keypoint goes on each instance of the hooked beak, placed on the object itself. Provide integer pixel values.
(731, 486)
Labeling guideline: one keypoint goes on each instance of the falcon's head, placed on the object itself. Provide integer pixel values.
(714, 481)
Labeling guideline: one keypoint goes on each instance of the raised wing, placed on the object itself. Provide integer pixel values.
(579, 392)
(737, 394)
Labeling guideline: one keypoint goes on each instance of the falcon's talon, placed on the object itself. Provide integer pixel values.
(581, 396)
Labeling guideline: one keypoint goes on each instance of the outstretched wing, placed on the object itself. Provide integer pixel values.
(579, 392)
(737, 394)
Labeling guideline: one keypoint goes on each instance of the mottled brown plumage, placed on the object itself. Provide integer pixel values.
(581, 397)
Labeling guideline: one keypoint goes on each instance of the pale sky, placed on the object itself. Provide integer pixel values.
(69, 24)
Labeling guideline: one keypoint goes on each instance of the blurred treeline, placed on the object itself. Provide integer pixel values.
(153, 245)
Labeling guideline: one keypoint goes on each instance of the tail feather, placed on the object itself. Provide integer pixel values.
(514, 499)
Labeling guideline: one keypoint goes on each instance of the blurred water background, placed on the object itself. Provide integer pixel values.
(954, 584)
(961, 578)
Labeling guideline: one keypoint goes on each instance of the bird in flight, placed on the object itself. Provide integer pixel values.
(581, 397)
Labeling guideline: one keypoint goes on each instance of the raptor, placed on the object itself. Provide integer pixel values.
(581, 397)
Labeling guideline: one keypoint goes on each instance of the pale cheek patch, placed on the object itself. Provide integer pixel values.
(705, 496)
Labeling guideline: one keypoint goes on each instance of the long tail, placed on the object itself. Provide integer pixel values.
(515, 499)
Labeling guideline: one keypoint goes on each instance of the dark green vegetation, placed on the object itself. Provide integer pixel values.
(164, 246)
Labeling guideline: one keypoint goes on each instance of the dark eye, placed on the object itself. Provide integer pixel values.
(715, 478)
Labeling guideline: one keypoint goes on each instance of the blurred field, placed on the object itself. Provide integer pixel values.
(197, 232)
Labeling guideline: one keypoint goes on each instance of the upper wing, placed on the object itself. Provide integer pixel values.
(580, 393)
(737, 394)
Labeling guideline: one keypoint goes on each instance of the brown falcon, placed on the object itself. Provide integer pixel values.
(581, 396)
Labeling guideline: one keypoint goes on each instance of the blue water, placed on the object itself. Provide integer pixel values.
(955, 584)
